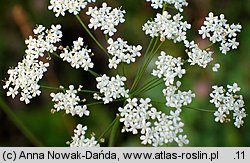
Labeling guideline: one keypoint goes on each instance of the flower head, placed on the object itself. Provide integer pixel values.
(69, 102)
(105, 18)
(178, 4)
(167, 27)
(227, 102)
(59, 7)
(79, 139)
(24, 78)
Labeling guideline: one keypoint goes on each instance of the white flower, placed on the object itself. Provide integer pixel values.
(216, 67)
(176, 98)
(68, 101)
(197, 55)
(79, 139)
(24, 78)
(78, 56)
(156, 128)
(217, 30)
(111, 88)
(227, 102)
(168, 67)
(59, 7)
(105, 18)
(178, 4)
(167, 27)
(122, 52)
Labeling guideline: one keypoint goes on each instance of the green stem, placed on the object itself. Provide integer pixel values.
(93, 73)
(209, 46)
(58, 56)
(144, 67)
(109, 127)
(24, 129)
(149, 87)
(113, 132)
(92, 36)
(55, 88)
(145, 85)
(203, 110)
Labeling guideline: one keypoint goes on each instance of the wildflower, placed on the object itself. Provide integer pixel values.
(24, 78)
(78, 56)
(79, 139)
(197, 55)
(105, 18)
(178, 4)
(59, 7)
(111, 88)
(216, 67)
(176, 98)
(167, 27)
(227, 102)
(156, 128)
(122, 52)
(69, 102)
(217, 30)
(168, 67)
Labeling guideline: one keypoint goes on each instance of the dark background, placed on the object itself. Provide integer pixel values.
(19, 17)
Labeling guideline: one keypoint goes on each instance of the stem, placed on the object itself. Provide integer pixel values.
(144, 67)
(203, 110)
(92, 36)
(24, 129)
(209, 46)
(113, 132)
(145, 85)
(109, 127)
(55, 88)
(149, 87)
(58, 56)
(93, 73)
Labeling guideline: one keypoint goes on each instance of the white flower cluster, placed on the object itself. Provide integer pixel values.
(68, 101)
(168, 67)
(79, 139)
(167, 27)
(122, 52)
(78, 56)
(178, 4)
(197, 55)
(105, 18)
(156, 128)
(176, 98)
(217, 30)
(30, 70)
(111, 87)
(59, 7)
(226, 102)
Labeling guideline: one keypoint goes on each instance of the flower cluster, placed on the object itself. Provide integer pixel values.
(168, 67)
(30, 70)
(79, 139)
(227, 101)
(59, 7)
(111, 87)
(217, 30)
(176, 98)
(69, 102)
(167, 27)
(122, 52)
(178, 4)
(216, 67)
(156, 128)
(78, 56)
(105, 18)
(197, 55)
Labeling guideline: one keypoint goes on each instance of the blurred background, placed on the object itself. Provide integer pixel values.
(35, 125)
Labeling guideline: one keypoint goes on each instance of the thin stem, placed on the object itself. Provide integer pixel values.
(209, 46)
(144, 67)
(145, 85)
(58, 56)
(91, 35)
(113, 132)
(24, 129)
(149, 87)
(109, 127)
(93, 73)
(55, 88)
(197, 109)
(145, 55)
